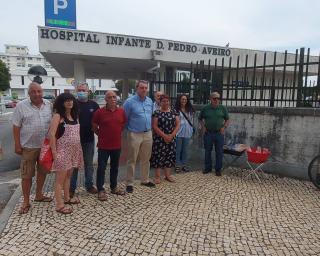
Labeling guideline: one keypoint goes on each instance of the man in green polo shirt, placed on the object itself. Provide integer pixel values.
(214, 119)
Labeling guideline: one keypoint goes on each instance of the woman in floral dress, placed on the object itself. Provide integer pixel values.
(165, 124)
(66, 148)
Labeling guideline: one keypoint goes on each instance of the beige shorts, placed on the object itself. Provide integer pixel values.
(29, 162)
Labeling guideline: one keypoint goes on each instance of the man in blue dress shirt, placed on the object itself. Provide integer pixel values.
(138, 109)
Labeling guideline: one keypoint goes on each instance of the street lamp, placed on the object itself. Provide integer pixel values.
(37, 74)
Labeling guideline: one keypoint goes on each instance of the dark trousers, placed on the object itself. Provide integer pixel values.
(103, 156)
(88, 152)
(210, 139)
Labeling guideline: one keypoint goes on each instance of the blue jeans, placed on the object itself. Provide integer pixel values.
(88, 152)
(103, 156)
(210, 138)
(182, 151)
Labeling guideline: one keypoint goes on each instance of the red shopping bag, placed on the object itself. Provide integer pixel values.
(46, 158)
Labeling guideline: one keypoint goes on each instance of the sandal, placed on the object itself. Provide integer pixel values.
(157, 180)
(44, 199)
(64, 210)
(73, 200)
(170, 178)
(118, 192)
(102, 196)
(24, 209)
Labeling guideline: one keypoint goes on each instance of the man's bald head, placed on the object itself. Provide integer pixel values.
(35, 92)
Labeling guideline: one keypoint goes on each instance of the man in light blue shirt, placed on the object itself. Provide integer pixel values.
(138, 109)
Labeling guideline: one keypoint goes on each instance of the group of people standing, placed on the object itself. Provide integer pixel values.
(158, 135)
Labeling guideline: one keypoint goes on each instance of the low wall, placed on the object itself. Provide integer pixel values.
(292, 135)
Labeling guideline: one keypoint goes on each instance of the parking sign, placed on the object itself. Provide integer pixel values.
(60, 13)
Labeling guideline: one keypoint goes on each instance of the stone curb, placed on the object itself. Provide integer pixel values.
(7, 211)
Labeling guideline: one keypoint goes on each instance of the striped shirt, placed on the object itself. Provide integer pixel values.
(185, 130)
(33, 122)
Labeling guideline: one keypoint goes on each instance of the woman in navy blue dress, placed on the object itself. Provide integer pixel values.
(165, 124)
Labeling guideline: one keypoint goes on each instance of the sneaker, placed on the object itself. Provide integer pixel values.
(148, 184)
(218, 173)
(129, 189)
(92, 190)
(177, 169)
(185, 169)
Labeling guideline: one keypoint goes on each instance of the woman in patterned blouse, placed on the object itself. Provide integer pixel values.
(165, 124)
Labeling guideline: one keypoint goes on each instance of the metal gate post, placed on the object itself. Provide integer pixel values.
(300, 101)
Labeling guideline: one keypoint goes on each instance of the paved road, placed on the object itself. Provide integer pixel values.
(9, 175)
(198, 215)
(10, 160)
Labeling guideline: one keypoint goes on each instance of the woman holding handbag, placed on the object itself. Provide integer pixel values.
(186, 114)
(66, 148)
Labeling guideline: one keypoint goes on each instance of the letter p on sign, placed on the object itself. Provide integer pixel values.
(59, 4)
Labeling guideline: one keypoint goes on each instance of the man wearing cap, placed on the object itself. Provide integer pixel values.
(214, 119)
(86, 110)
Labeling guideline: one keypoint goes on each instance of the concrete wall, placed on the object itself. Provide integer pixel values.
(292, 135)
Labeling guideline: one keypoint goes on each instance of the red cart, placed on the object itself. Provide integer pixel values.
(256, 158)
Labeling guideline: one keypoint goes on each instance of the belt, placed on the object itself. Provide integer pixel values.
(147, 131)
(213, 130)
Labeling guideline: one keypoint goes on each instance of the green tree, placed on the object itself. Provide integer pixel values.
(5, 77)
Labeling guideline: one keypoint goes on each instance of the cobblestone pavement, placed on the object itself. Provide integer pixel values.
(198, 215)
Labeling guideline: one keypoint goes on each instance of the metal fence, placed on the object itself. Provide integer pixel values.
(290, 80)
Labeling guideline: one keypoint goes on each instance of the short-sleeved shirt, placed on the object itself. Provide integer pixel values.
(214, 117)
(34, 122)
(185, 129)
(139, 113)
(110, 125)
(86, 111)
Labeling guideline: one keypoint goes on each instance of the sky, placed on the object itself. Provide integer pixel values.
(275, 25)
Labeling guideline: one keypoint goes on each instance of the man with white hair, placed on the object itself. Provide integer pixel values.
(156, 103)
(31, 120)
(214, 119)
(86, 110)
(108, 123)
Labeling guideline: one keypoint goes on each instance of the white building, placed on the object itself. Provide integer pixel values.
(18, 59)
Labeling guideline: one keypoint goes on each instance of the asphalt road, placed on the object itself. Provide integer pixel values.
(10, 161)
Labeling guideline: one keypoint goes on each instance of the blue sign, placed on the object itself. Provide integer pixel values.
(60, 13)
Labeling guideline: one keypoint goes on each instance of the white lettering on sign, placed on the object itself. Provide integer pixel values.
(57, 6)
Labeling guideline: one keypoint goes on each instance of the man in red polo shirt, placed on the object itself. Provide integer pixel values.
(108, 123)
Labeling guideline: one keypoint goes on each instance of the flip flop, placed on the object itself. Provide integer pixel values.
(74, 200)
(64, 210)
(44, 199)
(24, 209)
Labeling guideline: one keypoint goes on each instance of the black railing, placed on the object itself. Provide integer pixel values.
(281, 83)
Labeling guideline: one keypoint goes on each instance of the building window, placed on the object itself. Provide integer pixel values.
(18, 58)
(38, 59)
(22, 80)
(29, 58)
(52, 79)
(29, 65)
(18, 65)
